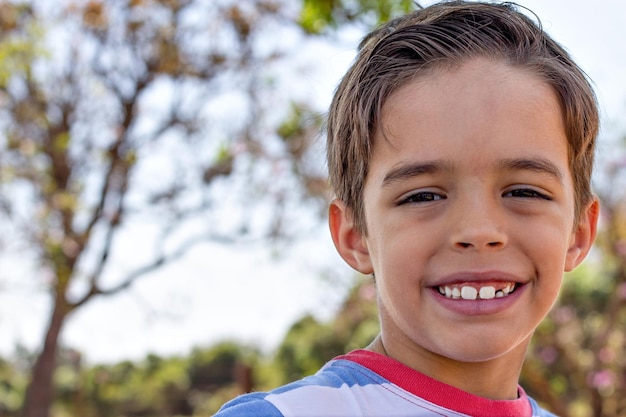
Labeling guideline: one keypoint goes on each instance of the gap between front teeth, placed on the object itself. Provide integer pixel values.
(470, 293)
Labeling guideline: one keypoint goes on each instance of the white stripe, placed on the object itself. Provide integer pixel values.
(367, 401)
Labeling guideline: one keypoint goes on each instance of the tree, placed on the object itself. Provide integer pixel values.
(110, 118)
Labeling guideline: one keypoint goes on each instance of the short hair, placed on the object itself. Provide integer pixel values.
(444, 35)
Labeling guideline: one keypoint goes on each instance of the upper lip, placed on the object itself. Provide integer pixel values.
(477, 277)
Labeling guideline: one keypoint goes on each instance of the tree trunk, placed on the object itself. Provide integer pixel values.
(40, 392)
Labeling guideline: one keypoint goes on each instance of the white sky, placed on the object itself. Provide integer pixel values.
(247, 293)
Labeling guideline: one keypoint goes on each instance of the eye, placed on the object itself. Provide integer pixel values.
(527, 193)
(421, 197)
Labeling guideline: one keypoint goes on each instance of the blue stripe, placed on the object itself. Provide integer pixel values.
(343, 372)
(249, 405)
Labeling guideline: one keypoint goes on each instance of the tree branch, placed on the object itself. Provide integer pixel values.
(142, 271)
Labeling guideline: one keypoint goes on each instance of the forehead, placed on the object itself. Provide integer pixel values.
(471, 87)
(482, 105)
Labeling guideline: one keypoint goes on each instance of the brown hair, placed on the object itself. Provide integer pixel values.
(447, 34)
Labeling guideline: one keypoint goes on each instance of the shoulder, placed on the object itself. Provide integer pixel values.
(333, 391)
(249, 405)
(538, 411)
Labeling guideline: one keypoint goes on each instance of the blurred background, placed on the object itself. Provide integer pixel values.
(163, 239)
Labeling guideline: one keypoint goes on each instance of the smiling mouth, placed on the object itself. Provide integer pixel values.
(477, 292)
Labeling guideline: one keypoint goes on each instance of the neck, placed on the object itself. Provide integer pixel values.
(495, 379)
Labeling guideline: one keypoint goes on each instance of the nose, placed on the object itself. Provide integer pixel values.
(478, 226)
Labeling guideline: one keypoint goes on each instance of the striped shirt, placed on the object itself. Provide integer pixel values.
(364, 383)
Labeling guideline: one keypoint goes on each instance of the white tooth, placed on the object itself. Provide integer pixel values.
(448, 292)
(441, 291)
(487, 293)
(456, 293)
(499, 294)
(469, 293)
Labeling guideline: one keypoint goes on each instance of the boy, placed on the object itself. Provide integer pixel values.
(460, 148)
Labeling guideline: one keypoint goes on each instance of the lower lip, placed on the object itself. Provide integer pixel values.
(479, 307)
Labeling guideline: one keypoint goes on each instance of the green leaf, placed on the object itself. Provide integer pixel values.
(317, 15)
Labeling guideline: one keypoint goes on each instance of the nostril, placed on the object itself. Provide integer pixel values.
(465, 245)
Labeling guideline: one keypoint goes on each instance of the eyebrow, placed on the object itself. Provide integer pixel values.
(406, 171)
(411, 170)
(535, 164)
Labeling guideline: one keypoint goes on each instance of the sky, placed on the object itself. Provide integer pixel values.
(254, 293)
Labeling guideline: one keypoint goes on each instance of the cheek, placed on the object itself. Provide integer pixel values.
(548, 241)
(399, 273)
(398, 253)
(548, 255)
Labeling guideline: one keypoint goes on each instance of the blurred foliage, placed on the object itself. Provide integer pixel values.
(309, 344)
(320, 16)
(12, 385)
(175, 386)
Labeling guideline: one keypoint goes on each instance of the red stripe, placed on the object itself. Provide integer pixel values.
(437, 392)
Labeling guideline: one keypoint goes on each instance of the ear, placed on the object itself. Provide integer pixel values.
(583, 236)
(349, 242)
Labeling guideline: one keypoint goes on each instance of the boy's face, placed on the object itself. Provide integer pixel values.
(469, 209)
